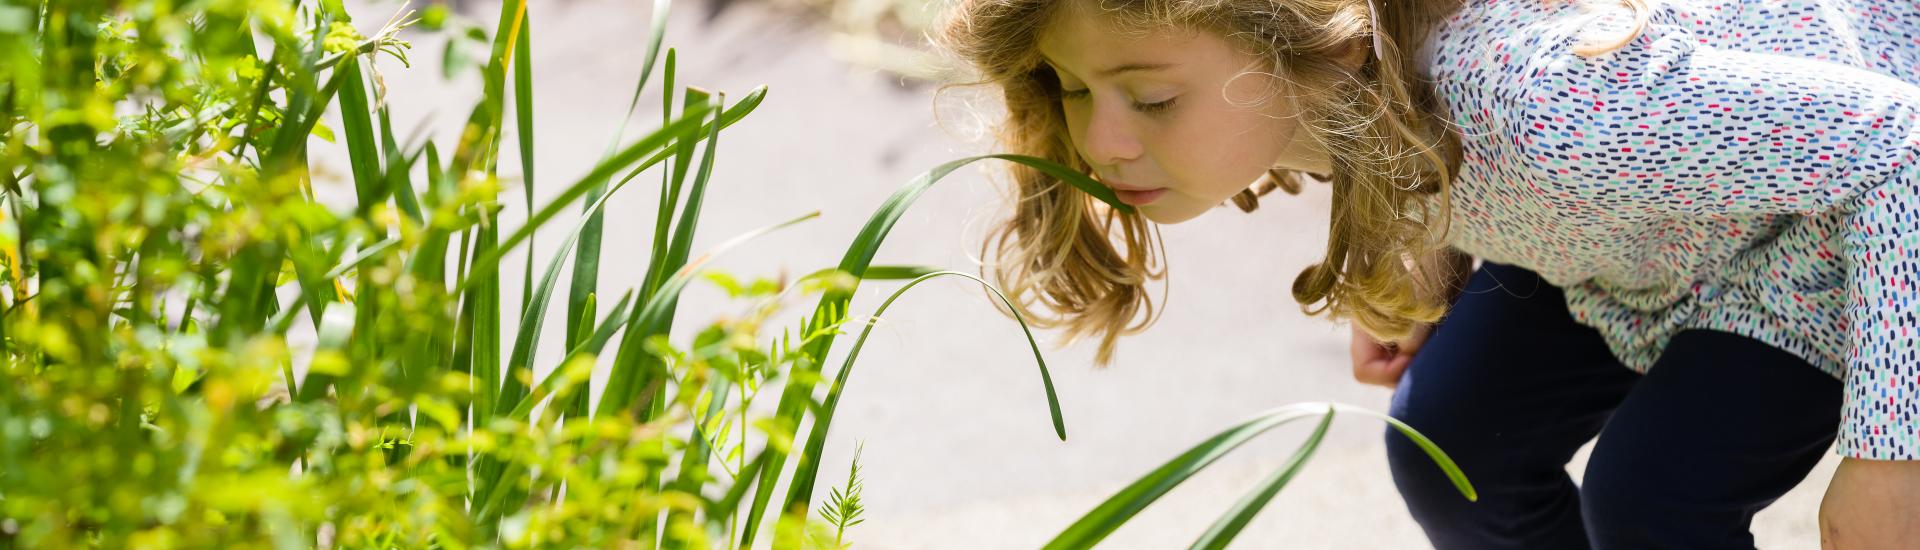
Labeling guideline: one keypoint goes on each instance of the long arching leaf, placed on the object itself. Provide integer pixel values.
(1122, 506)
(1242, 512)
(800, 489)
(796, 391)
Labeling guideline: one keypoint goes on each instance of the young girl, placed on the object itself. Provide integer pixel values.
(1698, 225)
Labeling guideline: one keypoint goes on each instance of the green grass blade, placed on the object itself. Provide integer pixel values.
(731, 115)
(399, 170)
(646, 375)
(290, 136)
(793, 397)
(729, 504)
(1242, 512)
(609, 326)
(523, 119)
(586, 267)
(689, 217)
(675, 130)
(694, 458)
(476, 336)
(527, 341)
(1433, 451)
(621, 392)
(362, 256)
(800, 488)
(495, 484)
(880, 272)
(362, 151)
(283, 321)
(1122, 506)
(660, 263)
(316, 289)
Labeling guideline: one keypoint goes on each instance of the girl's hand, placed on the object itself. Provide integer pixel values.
(1381, 364)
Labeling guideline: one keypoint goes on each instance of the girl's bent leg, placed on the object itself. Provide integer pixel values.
(1721, 426)
(1510, 386)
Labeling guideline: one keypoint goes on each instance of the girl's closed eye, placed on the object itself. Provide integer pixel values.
(1149, 108)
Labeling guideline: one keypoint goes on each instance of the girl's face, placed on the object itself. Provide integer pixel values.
(1165, 113)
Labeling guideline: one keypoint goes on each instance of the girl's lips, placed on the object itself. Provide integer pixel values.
(1137, 198)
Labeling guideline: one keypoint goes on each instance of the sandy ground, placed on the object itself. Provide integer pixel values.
(958, 453)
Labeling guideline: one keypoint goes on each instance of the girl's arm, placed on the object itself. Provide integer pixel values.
(1669, 126)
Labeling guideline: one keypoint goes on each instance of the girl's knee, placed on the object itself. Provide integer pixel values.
(1631, 498)
(1613, 498)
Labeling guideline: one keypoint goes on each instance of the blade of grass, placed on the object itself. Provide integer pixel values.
(657, 308)
(484, 294)
(399, 170)
(586, 267)
(639, 376)
(793, 396)
(1242, 512)
(488, 496)
(635, 369)
(881, 272)
(523, 117)
(363, 152)
(675, 130)
(1122, 506)
(596, 341)
(696, 197)
(477, 342)
(800, 486)
(1433, 451)
(290, 137)
(527, 340)
(731, 115)
(660, 263)
(492, 489)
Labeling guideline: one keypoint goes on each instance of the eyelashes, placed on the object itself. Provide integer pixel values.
(1148, 108)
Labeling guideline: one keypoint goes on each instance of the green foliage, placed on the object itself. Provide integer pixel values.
(201, 350)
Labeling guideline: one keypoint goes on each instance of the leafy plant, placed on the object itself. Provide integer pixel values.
(843, 504)
(200, 351)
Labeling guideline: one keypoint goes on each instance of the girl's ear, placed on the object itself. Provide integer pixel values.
(1355, 53)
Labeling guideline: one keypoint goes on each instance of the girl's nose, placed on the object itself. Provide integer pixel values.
(1110, 138)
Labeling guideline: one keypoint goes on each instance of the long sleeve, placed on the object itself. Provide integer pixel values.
(1669, 126)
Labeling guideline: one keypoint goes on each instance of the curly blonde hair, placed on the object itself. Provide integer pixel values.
(1386, 267)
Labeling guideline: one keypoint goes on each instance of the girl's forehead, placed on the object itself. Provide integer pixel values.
(1092, 49)
(1070, 35)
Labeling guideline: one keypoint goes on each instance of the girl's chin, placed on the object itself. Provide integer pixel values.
(1164, 214)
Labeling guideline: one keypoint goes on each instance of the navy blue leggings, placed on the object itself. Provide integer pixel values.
(1510, 386)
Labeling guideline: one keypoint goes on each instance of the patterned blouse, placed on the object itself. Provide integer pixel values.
(1746, 166)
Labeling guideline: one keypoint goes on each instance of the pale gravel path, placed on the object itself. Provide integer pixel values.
(958, 454)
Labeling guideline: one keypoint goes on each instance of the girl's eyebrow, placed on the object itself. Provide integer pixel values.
(1131, 67)
(1122, 68)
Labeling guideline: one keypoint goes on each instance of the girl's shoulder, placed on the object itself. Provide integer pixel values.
(1484, 39)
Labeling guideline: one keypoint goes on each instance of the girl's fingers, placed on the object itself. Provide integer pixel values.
(1381, 364)
(1396, 367)
(1378, 372)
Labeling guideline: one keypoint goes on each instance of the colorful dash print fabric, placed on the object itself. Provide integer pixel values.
(1745, 166)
